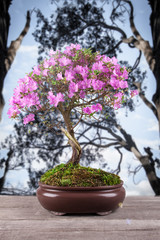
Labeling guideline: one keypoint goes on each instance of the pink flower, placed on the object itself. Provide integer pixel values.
(78, 69)
(117, 105)
(46, 64)
(69, 49)
(82, 94)
(125, 73)
(59, 76)
(96, 108)
(51, 52)
(73, 87)
(30, 100)
(69, 74)
(64, 61)
(97, 84)
(123, 84)
(93, 108)
(28, 118)
(114, 60)
(98, 66)
(134, 93)
(21, 88)
(32, 85)
(114, 83)
(87, 110)
(86, 83)
(45, 73)
(52, 62)
(85, 77)
(36, 70)
(118, 100)
(55, 99)
(13, 111)
(81, 70)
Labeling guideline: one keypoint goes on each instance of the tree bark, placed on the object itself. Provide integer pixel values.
(151, 54)
(155, 27)
(146, 161)
(8, 54)
(76, 148)
(4, 28)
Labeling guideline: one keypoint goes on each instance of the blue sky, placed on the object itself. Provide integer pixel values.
(142, 127)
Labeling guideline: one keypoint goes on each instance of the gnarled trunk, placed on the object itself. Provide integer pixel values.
(76, 148)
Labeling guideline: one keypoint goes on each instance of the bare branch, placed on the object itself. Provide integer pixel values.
(112, 49)
(99, 145)
(104, 128)
(120, 161)
(145, 100)
(137, 61)
(138, 41)
(132, 25)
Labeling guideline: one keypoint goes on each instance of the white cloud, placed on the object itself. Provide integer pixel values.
(137, 116)
(148, 142)
(153, 125)
(153, 128)
(143, 188)
(29, 49)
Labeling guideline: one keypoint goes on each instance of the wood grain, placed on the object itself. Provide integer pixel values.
(23, 218)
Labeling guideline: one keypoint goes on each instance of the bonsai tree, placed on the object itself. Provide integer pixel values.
(73, 81)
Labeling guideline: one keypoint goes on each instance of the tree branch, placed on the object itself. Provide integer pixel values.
(145, 100)
(138, 41)
(99, 145)
(120, 161)
(132, 25)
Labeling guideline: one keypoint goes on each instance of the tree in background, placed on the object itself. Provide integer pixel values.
(84, 22)
(8, 53)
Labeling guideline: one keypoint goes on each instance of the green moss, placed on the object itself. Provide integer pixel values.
(78, 176)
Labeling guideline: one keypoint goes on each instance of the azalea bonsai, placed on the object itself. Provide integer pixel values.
(73, 80)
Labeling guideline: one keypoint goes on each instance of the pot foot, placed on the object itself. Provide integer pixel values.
(103, 213)
(58, 213)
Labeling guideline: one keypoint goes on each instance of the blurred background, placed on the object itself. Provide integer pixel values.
(127, 142)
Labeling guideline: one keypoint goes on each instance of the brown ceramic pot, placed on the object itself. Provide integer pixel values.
(81, 199)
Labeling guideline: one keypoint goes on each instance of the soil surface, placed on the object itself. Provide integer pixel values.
(78, 176)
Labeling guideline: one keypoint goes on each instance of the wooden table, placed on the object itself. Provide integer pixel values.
(22, 218)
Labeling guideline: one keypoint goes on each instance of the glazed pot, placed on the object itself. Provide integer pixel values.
(99, 200)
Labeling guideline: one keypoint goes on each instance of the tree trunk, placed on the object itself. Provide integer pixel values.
(4, 28)
(155, 27)
(151, 175)
(147, 161)
(151, 54)
(76, 148)
(8, 54)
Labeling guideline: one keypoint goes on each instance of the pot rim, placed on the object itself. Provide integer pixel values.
(45, 186)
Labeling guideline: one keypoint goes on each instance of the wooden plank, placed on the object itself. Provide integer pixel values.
(22, 217)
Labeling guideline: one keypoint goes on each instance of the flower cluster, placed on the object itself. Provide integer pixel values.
(73, 79)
